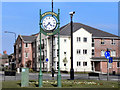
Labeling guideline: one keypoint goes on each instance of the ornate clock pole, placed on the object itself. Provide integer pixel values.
(50, 25)
(40, 73)
(59, 74)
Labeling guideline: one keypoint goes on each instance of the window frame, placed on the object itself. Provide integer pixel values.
(78, 51)
(102, 42)
(103, 53)
(26, 53)
(27, 45)
(113, 42)
(84, 39)
(65, 40)
(85, 50)
(93, 52)
(78, 39)
(118, 64)
(84, 63)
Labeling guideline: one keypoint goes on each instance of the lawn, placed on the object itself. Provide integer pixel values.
(65, 84)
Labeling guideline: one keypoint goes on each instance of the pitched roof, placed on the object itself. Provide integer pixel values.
(66, 30)
(28, 38)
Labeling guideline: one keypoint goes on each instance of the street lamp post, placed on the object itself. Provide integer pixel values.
(71, 70)
(12, 33)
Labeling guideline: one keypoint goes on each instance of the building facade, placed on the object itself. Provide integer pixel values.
(89, 46)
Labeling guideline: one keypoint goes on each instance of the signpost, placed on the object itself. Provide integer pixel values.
(107, 56)
(110, 60)
(46, 59)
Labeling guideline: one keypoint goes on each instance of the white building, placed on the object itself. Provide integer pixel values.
(88, 43)
(82, 41)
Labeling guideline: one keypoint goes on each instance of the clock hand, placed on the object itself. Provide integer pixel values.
(48, 24)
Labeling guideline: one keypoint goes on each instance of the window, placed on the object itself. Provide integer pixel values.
(19, 55)
(57, 64)
(78, 63)
(92, 44)
(102, 41)
(92, 40)
(84, 39)
(26, 55)
(16, 46)
(20, 45)
(46, 53)
(78, 39)
(33, 55)
(64, 53)
(65, 40)
(26, 45)
(113, 53)
(84, 63)
(33, 44)
(113, 42)
(93, 52)
(84, 51)
(78, 51)
(118, 64)
(57, 52)
(102, 53)
(42, 42)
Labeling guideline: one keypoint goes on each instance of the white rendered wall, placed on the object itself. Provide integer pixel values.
(82, 45)
(65, 47)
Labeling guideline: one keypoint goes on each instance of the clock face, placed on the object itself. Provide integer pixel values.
(49, 23)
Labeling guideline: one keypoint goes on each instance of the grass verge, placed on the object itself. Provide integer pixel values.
(65, 84)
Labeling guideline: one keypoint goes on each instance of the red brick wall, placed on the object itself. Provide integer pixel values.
(114, 67)
(28, 50)
(99, 47)
(19, 40)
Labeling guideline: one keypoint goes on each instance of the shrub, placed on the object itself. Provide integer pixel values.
(30, 70)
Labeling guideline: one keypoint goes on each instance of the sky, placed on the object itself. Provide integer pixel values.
(23, 17)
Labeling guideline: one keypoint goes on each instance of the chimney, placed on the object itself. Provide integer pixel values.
(5, 52)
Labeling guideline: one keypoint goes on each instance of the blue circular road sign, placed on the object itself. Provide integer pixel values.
(107, 54)
(46, 59)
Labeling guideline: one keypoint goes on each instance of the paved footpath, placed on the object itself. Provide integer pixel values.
(48, 76)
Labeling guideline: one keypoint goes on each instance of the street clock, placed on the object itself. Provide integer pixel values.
(49, 23)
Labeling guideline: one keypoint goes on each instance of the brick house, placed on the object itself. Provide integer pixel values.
(99, 62)
(23, 49)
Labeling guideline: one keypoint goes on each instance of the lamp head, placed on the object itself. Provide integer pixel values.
(71, 13)
(5, 31)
